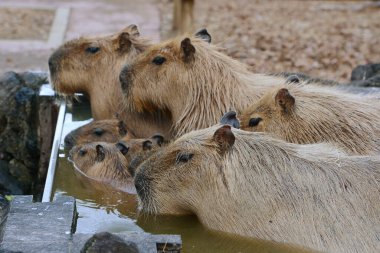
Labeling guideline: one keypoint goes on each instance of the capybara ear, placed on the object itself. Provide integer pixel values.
(158, 138)
(124, 42)
(224, 138)
(204, 35)
(293, 79)
(147, 145)
(284, 99)
(122, 148)
(122, 128)
(132, 30)
(229, 118)
(188, 50)
(100, 153)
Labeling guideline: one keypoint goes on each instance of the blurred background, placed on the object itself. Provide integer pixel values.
(326, 39)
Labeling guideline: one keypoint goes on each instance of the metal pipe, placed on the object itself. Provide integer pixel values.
(54, 154)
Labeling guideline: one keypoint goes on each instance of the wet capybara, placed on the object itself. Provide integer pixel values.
(91, 65)
(114, 163)
(309, 114)
(108, 130)
(256, 186)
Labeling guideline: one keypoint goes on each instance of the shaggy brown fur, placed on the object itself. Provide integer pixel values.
(257, 186)
(108, 130)
(308, 114)
(192, 81)
(114, 163)
(92, 65)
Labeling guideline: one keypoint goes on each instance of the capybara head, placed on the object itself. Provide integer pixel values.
(113, 162)
(101, 161)
(79, 63)
(109, 130)
(304, 114)
(151, 77)
(166, 181)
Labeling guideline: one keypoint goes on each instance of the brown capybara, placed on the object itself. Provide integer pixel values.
(188, 79)
(92, 65)
(257, 186)
(310, 114)
(114, 163)
(107, 130)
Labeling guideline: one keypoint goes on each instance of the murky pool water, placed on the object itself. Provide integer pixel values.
(103, 208)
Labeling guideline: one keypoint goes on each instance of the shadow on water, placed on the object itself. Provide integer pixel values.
(103, 208)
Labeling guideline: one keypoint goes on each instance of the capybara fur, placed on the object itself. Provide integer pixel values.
(107, 130)
(310, 114)
(193, 82)
(91, 65)
(254, 185)
(114, 163)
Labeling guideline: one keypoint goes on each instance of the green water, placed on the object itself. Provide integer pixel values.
(102, 208)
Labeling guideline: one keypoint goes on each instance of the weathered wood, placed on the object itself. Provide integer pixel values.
(48, 113)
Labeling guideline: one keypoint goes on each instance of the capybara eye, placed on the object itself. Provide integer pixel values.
(184, 158)
(158, 60)
(92, 50)
(98, 131)
(254, 121)
(82, 152)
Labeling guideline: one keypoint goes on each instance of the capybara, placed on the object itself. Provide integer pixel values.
(310, 114)
(107, 130)
(91, 65)
(254, 185)
(191, 81)
(114, 163)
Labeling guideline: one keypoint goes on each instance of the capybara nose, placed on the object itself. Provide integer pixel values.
(125, 78)
(69, 141)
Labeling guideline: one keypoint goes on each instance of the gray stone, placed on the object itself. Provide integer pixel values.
(39, 227)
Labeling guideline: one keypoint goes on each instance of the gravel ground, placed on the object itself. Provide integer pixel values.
(25, 23)
(326, 39)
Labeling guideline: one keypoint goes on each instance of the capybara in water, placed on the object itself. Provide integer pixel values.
(91, 65)
(114, 163)
(310, 114)
(254, 185)
(108, 130)
(191, 81)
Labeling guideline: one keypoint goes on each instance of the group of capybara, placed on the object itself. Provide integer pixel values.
(303, 169)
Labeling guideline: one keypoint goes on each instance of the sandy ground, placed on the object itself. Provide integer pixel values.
(321, 38)
(23, 23)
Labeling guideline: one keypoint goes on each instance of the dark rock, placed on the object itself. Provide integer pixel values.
(374, 81)
(109, 243)
(19, 141)
(364, 72)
